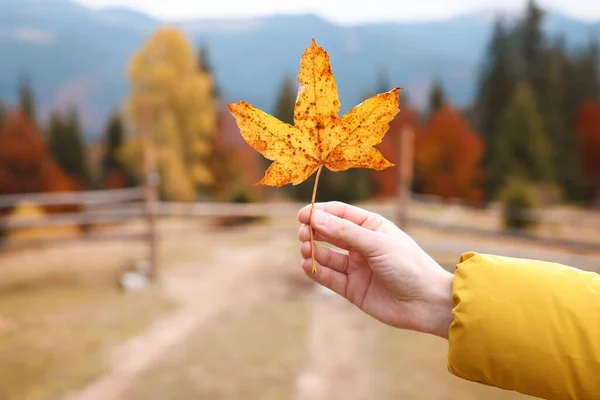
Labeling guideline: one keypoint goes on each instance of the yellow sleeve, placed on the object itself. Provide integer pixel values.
(525, 325)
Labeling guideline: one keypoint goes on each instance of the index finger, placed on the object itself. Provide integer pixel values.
(359, 216)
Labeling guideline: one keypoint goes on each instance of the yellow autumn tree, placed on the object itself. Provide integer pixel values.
(171, 98)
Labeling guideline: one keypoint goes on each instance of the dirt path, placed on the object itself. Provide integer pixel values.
(202, 294)
(339, 352)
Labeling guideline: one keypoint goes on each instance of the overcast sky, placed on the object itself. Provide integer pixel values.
(341, 11)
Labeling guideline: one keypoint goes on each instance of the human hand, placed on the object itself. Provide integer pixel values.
(384, 272)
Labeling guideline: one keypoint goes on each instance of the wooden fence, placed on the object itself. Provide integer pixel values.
(135, 204)
(98, 208)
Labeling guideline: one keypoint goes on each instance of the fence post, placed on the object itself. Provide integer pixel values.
(405, 175)
(150, 188)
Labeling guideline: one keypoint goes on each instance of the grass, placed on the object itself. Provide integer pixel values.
(61, 313)
(253, 353)
(57, 338)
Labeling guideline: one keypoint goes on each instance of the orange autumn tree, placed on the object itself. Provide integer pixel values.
(25, 163)
(386, 181)
(587, 126)
(447, 158)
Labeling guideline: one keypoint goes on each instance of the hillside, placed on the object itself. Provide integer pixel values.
(78, 56)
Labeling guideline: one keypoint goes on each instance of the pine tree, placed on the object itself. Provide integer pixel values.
(65, 142)
(284, 111)
(496, 82)
(521, 146)
(112, 169)
(113, 138)
(556, 121)
(532, 47)
(437, 98)
(27, 100)
(286, 101)
(581, 78)
(206, 67)
(495, 87)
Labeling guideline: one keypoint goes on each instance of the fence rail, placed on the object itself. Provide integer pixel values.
(84, 218)
(73, 198)
(125, 205)
(99, 208)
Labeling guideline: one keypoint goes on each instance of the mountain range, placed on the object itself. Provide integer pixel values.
(77, 56)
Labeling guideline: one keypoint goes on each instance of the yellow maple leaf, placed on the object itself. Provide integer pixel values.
(318, 137)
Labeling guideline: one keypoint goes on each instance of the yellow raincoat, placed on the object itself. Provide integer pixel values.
(528, 326)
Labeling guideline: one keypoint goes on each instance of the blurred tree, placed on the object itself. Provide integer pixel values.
(495, 87)
(66, 144)
(533, 46)
(113, 138)
(222, 163)
(236, 166)
(385, 183)
(582, 78)
(173, 100)
(447, 157)
(206, 68)
(437, 98)
(518, 200)
(3, 112)
(284, 111)
(587, 126)
(286, 101)
(560, 81)
(25, 163)
(113, 173)
(27, 100)
(521, 148)
(552, 97)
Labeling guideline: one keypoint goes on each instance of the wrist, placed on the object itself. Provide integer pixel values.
(439, 305)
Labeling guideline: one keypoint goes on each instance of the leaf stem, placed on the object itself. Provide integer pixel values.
(312, 207)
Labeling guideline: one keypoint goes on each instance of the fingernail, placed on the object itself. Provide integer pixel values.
(321, 218)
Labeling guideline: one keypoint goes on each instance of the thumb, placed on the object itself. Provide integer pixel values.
(346, 232)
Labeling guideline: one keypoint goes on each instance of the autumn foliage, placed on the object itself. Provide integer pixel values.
(587, 126)
(168, 84)
(319, 136)
(25, 163)
(448, 155)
